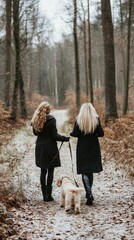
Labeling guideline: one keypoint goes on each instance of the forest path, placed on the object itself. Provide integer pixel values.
(111, 216)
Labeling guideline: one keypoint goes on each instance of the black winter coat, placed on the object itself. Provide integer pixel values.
(88, 154)
(46, 145)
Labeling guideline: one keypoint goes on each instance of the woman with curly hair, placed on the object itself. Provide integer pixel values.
(46, 150)
(87, 129)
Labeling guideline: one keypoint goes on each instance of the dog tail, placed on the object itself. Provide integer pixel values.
(77, 190)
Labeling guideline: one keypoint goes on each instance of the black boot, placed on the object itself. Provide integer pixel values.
(44, 192)
(49, 194)
(92, 197)
(87, 187)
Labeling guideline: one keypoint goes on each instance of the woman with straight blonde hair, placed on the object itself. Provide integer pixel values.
(87, 129)
(46, 150)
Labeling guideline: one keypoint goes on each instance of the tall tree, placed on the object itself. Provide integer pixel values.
(89, 56)
(55, 79)
(84, 29)
(76, 52)
(126, 87)
(18, 72)
(109, 55)
(8, 54)
(122, 43)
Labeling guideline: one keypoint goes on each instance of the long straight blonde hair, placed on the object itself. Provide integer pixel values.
(39, 116)
(87, 118)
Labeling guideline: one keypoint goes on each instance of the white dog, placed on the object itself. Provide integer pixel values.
(70, 194)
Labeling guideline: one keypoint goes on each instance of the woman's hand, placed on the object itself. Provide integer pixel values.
(66, 139)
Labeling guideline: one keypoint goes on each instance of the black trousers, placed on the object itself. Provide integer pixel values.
(47, 176)
(88, 177)
(88, 182)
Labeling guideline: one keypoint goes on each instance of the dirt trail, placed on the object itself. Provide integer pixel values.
(111, 216)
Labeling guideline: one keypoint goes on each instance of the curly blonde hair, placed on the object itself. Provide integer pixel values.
(87, 118)
(39, 116)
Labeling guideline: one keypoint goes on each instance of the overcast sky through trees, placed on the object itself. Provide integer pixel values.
(55, 11)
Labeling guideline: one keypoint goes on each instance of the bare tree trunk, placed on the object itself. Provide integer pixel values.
(39, 71)
(110, 85)
(18, 76)
(55, 77)
(85, 55)
(61, 76)
(126, 87)
(14, 100)
(29, 80)
(89, 57)
(16, 83)
(76, 51)
(8, 54)
(122, 48)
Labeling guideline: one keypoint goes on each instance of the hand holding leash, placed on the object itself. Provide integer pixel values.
(66, 139)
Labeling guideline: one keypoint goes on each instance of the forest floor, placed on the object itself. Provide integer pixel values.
(24, 215)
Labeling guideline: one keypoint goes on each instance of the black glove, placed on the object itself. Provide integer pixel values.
(66, 139)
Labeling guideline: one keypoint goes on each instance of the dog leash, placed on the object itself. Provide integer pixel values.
(72, 163)
(57, 152)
